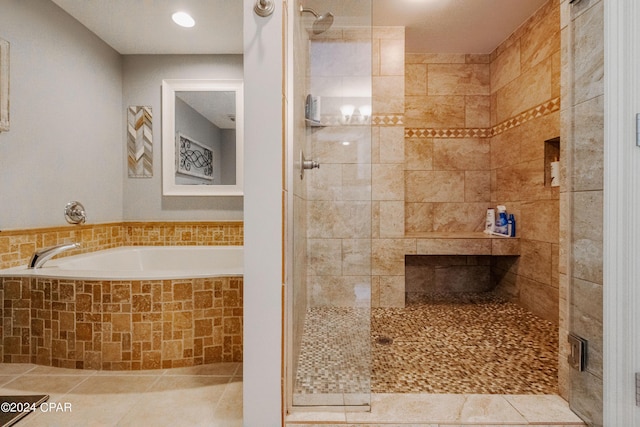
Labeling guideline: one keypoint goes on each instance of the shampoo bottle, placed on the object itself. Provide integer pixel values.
(501, 221)
(490, 221)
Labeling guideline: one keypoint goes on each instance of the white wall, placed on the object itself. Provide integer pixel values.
(263, 169)
(66, 119)
(143, 75)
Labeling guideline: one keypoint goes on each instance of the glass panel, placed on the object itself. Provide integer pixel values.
(331, 355)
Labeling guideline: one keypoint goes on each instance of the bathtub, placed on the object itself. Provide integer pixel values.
(128, 308)
(142, 263)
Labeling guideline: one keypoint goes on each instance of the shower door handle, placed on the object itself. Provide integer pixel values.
(307, 164)
(310, 164)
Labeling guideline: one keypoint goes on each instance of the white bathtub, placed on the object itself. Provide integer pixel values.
(142, 262)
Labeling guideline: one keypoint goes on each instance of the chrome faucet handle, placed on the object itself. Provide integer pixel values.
(74, 213)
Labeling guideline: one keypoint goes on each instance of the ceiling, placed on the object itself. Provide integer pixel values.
(432, 26)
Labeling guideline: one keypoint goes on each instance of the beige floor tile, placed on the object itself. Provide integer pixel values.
(543, 408)
(224, 369)
(179, 400)
(489, 408)
(411, 408)
(48, 384)
(15, 368)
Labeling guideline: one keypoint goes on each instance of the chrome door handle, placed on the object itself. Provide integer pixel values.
(307, 164)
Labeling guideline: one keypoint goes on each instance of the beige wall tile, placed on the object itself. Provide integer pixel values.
(418, 154)
(587, 235)
(453, 246)
(530, 89)
(535, 261)
(459, 216)
(391, 219)
(461, 154)
(434, 186)
(392, 57)
(392, 144)
(392, 291)
(356, 181)
(435, 111)
(542, 40)
(356, 257)
(588, 54)
(588, 146)
(477, 186)
(388, 95)
(435, 58)
(387, 256)
(338, 219)
(418, 217)
(477, 111)
(415, 79)
(387, 182)
(540, 220)
(458, 79)
(324, 257)
(505, 68)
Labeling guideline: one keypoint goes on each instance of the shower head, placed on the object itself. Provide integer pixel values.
(322, 22)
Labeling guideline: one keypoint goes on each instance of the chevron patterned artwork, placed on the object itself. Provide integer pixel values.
(139, 142)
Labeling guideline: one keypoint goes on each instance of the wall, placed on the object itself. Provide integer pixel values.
(475, 132)
(525, 101)
(581, 199)
(66, 136)
(142, 80)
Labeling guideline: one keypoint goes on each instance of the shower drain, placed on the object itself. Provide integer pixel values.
(384, 340)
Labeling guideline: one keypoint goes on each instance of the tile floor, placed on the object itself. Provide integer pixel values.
(208, 395)
(443, 360)
(446, 410)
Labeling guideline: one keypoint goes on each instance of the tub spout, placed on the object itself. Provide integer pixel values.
(43, 255)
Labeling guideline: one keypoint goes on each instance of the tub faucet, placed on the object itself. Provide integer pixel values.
(41, 256)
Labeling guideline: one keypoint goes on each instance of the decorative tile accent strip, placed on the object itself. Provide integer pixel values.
(139, 142)
(375, 120)
(17, 246)
(121, 325)
(539, 111)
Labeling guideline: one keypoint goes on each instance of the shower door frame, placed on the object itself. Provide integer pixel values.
(294, 117)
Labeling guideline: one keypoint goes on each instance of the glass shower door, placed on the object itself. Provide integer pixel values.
(332, 208)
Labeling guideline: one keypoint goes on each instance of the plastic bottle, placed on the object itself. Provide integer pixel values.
(511, 226)
(501, 221)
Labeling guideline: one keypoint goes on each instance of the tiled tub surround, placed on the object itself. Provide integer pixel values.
(104, 324)
(121, 325)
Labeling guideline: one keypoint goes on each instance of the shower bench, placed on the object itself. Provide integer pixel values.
(464, 243)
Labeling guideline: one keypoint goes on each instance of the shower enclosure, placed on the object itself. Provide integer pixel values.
(329, 182)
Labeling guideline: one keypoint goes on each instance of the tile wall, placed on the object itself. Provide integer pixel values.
(475, 136)
(525, 78)
(121, 325)
(116, 324)
(581, 200)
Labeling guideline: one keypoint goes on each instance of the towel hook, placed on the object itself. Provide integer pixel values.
(264, 7)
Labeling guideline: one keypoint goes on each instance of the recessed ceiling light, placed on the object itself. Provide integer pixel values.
(183, 19)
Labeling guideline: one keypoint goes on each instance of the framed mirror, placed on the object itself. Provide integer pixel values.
(202, 144)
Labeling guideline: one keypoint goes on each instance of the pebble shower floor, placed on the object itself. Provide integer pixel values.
(445, 343)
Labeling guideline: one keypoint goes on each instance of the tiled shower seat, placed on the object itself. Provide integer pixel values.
(464, 243)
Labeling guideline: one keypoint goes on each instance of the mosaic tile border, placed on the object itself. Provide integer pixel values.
(17, 246)
(543, 109)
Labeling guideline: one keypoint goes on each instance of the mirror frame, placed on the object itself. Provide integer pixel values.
(169, 89)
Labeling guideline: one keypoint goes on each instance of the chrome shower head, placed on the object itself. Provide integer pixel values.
(322, 22)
